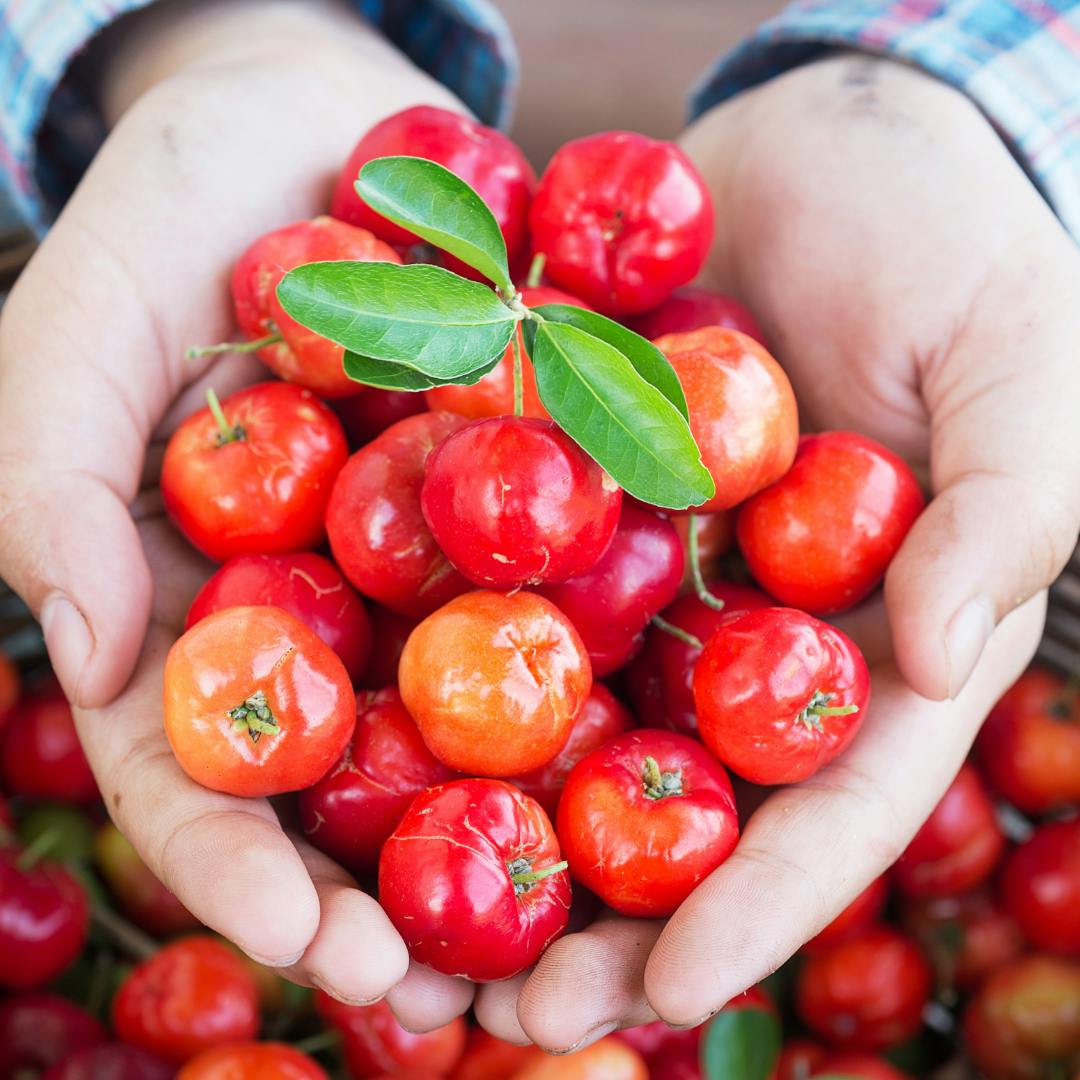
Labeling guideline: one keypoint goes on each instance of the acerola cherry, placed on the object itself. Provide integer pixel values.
(858, 1067)
(38, 1030)
(489, 1058)
(351, 811)
(256, 703)
(40, 753)
(798, 1060)
(481, 156)
(303, 584)
(1040, 886)
(958, 846)
(611, 604)
(252, 1061)
(43, 920)
(377, 531)
(494, 682)
(691, 308)
(190, 996)
(608, 1059)
(366, 416)
(113, 1061)
(779, 694)
(742, 410)
(661, 679)
(472, 880)
(1029, 747)
(375, 1043)
(643, 819)
(303, 357)
(256, 479)
(622, 219)
(514, 502)
(822, 537)
(866, 993)
(859, 915)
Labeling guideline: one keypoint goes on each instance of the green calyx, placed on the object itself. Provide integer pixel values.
(226, 432)
(525, 877)
(657, 784)
(254, 716)
(819, 706)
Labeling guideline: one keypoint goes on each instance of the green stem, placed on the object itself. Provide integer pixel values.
(37, 849)
(700, 588)
(519, 390)
(100, 980)
(1062, 707)
(677, 632)
(659, 784)
(531, 877)
(130, 939)
(198, 351)
(818, 706)
(536, 270)
(835, 710)
(227, 432)
(321, 1040)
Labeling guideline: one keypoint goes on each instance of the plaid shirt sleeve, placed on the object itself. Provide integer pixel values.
(1018, 60)
(50, 129)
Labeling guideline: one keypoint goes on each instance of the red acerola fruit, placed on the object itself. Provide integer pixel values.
(691, 308)
(38, 1030)
(859, 915)
(366, 416)
(114, 1061)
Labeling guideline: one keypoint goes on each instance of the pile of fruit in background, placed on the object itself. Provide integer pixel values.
(597, 476)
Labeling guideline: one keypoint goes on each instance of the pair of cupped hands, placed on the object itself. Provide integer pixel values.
(911, 280)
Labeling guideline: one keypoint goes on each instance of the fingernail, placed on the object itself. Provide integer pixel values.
(276, 961)
(694, 1023)
(68, 639)
(337, 995)
(593, 1035)
(965, 638)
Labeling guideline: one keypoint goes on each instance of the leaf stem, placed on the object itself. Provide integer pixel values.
(130, 939)
(519, 390)
(700, 587)
(677, 632)
(38, 848)
(321, 1040)
(196, 352)
(531, 877)
(536, 270)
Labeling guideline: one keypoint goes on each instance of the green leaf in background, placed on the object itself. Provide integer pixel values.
(421, 316)
(389, 376)
(597, 397)
(649, 362)
(429, 200)
(740, 1044)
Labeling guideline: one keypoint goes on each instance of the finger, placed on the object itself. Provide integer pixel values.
(425, 1000)
(496, 1009)
(811, 848)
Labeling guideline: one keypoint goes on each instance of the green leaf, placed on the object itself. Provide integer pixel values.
(741, 1044)
(594, 394)
(389, 376)
(421, 316)
(429, 200)
(649, 362)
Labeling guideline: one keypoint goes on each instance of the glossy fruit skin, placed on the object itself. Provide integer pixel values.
(228, 657)
(623, 220)
(868, 496)
(756, 677)
(305, 585)
(365, 416)
(866, 993)
(489, 1058)
(691, 308)
(377, 530)
(445, 880)
(643, 853)
(389, 632)
(481, 156)
(798, 1060)
(1040, 887)
(252, 1061)
(660, 680)
(264, 493)
(303, 357)
(493, 395)
(494, 682)
(601, 718)
(958, 846)
(861, 1066)
(1024, 1023)
(113, 1061)
(351, 811)
(742, 410)
(514, 502)
(190, 996)
(43, 921)
(40, 753)
(1029, 746)
(138, 893)
(608, 1059)
(37, 1030)
(611, 604)
(858, 916)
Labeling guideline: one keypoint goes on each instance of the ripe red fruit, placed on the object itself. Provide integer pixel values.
(608, 1059)
(351, 811)
(256, 703)
(261, 485)
(660, 680)
(489, 1058)
(9, 686)
(113, 1061)
(715, 537)
(40, 753)
(481, 156)
(377, 531)
(43, 921)
(643, 819)
(957, 847)
(252, 1061)
(1029, 747)
(798, 1060)
(303, 357)
(190, 996)
(858, 916)
(822, 537)
(1041, 887)
(367, 415)
(611, 604)
(691, 308)
(866, 993)
(859, 1067)
(305, 585)
(1024, 1022)
(779, 694)
(742, 410)
(622, 219)
(389, 632)
(38, 1030)
(472, 880)
(494, 682)
(514, 501)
